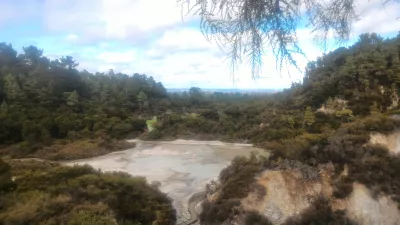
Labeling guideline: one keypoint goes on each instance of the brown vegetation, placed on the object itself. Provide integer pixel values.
(66, 150)
(48, 193)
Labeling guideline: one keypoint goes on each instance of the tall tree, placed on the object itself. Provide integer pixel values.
(142, 99)
(7, 54)
(195, 94)
(67, 62)
(32, 55)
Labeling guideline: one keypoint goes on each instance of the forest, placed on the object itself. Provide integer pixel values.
(50, 110)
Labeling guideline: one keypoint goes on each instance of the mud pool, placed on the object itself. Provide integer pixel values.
(183, 167)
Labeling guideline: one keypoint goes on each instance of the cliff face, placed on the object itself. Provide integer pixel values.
(361, 188)
(362, 207)
(289, 194)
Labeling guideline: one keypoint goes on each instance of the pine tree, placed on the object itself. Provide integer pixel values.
(142, 99)
(11, 88)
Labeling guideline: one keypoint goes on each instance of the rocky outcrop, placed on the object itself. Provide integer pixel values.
(289, 193)
(363, 208)
(391, 141)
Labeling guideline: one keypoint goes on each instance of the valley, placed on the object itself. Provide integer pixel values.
(183, 167)
(324, 151)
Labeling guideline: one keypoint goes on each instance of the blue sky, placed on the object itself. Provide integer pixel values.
(149, 36)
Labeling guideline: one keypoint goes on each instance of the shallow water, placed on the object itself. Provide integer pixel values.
(183, 167)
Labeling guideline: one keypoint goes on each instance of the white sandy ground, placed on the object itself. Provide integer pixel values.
(183, 167)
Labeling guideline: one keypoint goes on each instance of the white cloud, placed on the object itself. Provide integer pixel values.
(182, 56)
(376, 17)
(148, 36)
(72, 37)
(112, 19)
(184, 39)
(117, 57)
(10, 11)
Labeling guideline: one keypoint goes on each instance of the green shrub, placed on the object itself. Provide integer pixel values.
(53, 194)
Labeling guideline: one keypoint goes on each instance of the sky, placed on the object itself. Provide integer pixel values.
(151, 37)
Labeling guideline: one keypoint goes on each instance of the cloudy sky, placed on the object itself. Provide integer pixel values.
(150, 37)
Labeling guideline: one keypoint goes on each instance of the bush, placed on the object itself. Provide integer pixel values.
(6, 183)
(120, 130)
(255, 218)
(219, 212)
(53, 194)
(236, 181)
(320, 212)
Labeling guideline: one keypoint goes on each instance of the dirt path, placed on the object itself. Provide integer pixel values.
(193, 201)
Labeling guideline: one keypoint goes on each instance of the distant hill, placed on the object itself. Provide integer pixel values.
(254, 91)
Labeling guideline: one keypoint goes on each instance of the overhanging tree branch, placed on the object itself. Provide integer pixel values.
(243, 28)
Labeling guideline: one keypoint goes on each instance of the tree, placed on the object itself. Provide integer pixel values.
(243, 27)
(142, 99)
(32, 55)
(12, 89)
(7, 54)
(67, 62)
(195, 94)
(309, 117)
(72, 98)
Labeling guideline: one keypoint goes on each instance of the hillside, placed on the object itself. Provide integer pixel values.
(347, 96)
(335, 130)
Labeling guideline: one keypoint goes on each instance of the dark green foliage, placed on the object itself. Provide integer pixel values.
(80, 195)
(237, 179)
(254, 218)
(6, 183)
(43, 101)
(216, 213)
(362, 74)
(210, 114)
(320, 212)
